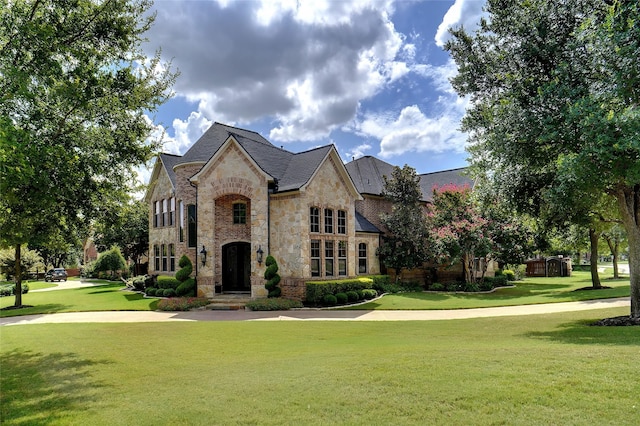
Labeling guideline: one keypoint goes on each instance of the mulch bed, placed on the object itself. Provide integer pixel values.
(617, 321)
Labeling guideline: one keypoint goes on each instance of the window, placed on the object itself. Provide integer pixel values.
(314, 219)
(191, 219)
(165, 213)
(328, 221)
(156, 257)
(181, 213)
(239, 213)
(156, 215)
(342, 258)
(342, 222)
(362, 258)
(315, 258)
(172, 258)
(328, 258)
(172, 212)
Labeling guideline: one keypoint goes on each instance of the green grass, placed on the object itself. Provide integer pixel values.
(108, 297)
(547, 369)
(527, 292)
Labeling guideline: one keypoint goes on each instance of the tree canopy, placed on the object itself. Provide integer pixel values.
(553, 116)
(75, 88)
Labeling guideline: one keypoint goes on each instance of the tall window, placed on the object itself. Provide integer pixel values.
(342, 222)
(239, 213)
(156, 257)
(342, 258)
(164, 257)
(181, 213)
(172, 257)
(165, 212)
(172, 211)
(156, 215)
(328, 221)
(315, 258)
(191, 219)
(314, 219)
(362, 258)
(328, 258)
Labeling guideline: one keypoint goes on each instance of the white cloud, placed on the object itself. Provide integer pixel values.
(466, 13)
(357, 152)
(305, 65)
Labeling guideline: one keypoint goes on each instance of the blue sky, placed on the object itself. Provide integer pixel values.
(368, 76)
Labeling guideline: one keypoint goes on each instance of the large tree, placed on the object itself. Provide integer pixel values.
(127, 228)
(74, 90)
(554, 92)
(405, 245)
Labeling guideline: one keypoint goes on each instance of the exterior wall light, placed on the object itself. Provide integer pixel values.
(259, 254)
(203, 255)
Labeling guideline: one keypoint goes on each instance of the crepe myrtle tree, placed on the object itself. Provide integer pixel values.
(75, 91)
(554, 95)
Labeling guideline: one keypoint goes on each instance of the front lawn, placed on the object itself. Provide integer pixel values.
(107, 297)
(527, 292)
(544, 369)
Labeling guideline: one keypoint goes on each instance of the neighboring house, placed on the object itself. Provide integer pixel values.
(233, 198)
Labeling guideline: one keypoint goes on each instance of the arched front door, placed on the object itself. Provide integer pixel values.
(236, 267)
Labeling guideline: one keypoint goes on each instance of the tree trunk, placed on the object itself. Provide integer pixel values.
(593, 238)
(629, 207)
(18, 278)
(613, 247)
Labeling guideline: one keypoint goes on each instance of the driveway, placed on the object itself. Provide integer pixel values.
(313, 314)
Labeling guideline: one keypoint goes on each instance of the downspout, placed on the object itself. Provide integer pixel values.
(269, 192)
(196, 236)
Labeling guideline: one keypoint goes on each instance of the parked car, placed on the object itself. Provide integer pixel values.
(56, 274)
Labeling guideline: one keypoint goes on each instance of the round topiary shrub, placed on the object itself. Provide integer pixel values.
(150, 291)
(168, 292)
(352, 296)
(272, 277)
(329, 300)
(341, 298)
(369, 293)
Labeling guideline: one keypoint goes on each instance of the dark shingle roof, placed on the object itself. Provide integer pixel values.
(291, 170)
(363, 225)
(367, 174)
(170, 160)
(438, 179)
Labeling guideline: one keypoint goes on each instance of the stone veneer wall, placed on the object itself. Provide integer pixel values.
(162, 189)
(230, 175)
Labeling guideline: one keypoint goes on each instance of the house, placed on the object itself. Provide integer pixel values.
(233, 198)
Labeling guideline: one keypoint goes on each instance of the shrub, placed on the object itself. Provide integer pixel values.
(511, 276)
(166, 282)
(341, 298)
(369, 293)
(329, 300)
(272, 277)
(168, 292)
(182, 303)
(186, 285)
(452, 286)
(486, 285)
(273, 304)
(352, 296)
(317, 290)
(437, 287)
(499, 281)
(471, 287)
(150, 291)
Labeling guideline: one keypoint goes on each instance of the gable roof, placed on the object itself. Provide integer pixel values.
(367, 174)
(170, 160)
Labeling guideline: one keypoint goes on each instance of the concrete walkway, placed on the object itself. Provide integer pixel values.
(313, 314)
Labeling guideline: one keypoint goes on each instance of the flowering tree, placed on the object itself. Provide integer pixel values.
(458, 232)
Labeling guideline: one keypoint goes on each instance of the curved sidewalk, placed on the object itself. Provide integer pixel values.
(313, 314)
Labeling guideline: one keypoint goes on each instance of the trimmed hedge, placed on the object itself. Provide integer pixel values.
(273, 304)
(317, 290)
(165, 282)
